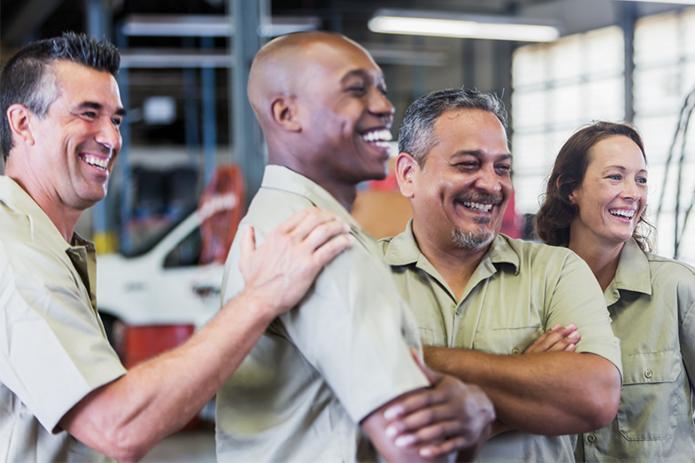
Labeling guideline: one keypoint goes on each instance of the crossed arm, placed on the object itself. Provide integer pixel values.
(550, 390)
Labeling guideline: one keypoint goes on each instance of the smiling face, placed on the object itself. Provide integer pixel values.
(461, 192)
(613, 194)
(345, 115)
(77, 142)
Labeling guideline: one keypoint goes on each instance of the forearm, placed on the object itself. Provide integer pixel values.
(130, 415)
(552, 393)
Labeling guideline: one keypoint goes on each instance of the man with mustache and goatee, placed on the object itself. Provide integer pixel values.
(481, 298)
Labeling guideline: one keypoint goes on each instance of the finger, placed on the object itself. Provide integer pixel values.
(420, 400)
(571, 348)
(313, 219)
(421, 419)
(289, 224)
(324, 232)
(542, 337)
(332, 248)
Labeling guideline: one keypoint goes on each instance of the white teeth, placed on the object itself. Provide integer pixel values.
(478, 206)
(96, 161)
(622, 213)
(383, 135)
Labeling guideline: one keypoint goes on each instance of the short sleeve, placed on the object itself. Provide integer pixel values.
(353, 328)
(52, 350)
(576, 297)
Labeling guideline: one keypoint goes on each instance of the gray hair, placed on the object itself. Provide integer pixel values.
(416, 135)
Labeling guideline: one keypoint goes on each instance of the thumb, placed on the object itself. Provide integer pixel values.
(432, 376)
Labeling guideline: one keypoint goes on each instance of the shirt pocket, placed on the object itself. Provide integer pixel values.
(649, 397)
(506, 341)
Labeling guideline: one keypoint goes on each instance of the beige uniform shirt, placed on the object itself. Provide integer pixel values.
(651, 302)
(53, 350)
(325, 365)
(519, 290)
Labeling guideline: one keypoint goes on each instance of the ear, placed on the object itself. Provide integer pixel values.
(284, 112)
(18, 117)
(406, 168)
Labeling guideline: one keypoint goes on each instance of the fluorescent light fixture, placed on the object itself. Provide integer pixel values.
(163, 25)
(676, 2)
(441, 24)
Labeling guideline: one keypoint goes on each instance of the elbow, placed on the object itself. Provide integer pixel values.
(124, 447)
(604, 400)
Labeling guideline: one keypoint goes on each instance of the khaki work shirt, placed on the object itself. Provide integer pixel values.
(53, 350)
(651, 303)
(326, 364)
(518, 291)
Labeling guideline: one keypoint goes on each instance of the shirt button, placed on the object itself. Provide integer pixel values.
(591, 438)
(515, 351)
(458, 311)
(648, 374)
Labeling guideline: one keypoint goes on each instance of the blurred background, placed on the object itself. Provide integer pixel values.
(191, 142)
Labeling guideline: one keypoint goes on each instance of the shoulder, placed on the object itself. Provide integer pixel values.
(539, 254)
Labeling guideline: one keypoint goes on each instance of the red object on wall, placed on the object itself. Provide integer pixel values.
(220, 209)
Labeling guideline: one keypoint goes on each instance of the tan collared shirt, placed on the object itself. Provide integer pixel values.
(53, 350)
(519, 290)
(325, 365)
(651, 303)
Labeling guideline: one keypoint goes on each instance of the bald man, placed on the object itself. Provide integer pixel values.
(344, 356)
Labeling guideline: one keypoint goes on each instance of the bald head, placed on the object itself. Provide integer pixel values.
(283, 67)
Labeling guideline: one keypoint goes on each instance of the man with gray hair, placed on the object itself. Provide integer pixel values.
(64, 395)
(481, 298)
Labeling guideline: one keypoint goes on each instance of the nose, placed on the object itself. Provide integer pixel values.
(632, 191)
(381, 106)
(488, 180)
(109, 135)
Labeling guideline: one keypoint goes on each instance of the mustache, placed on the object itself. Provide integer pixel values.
(94, 147)
(478, 197)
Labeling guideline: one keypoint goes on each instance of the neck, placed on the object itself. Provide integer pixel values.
(455, 265)
(602, 259)
(63, 217)
(344, 193)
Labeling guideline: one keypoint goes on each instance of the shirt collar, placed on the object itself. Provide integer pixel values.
(633, 272)
(281, 178)
(403, 250)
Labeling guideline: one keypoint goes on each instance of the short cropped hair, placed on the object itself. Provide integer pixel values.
(28, 78)
(557, 212)
(416, 135)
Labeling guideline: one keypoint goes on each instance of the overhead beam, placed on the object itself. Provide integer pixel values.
(33, 15)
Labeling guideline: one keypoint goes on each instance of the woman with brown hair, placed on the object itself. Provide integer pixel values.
(594, 205)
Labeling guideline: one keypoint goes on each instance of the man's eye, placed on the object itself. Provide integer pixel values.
(116, 121)
(89, 114)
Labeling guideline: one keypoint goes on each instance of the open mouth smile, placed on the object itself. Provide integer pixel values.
(96, 161)
(378, 137)
(478, 206)
(622, 213)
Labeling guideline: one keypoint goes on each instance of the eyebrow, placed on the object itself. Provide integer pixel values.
(99, 107)
(622, 168)
(358, 73)
(478, 154)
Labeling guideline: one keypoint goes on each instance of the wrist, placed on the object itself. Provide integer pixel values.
(259, 305)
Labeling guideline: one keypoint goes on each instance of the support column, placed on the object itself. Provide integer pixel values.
(247, 16)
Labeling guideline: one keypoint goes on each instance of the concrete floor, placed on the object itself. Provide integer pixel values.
(190, 446)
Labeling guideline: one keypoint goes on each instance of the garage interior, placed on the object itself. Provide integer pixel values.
(189, 125)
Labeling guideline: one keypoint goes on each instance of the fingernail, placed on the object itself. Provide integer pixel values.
(393, 412)
(571, 326)
(391, 431)
(426, 452)
(405, 441)
(556, 327)
(573, 335)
